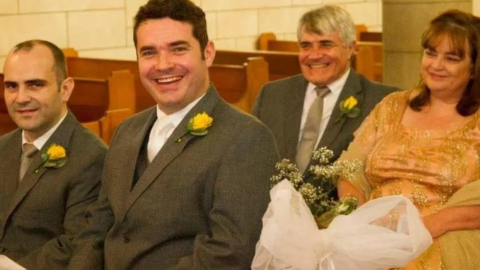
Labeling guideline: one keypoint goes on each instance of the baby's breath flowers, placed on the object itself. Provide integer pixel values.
(316, 195)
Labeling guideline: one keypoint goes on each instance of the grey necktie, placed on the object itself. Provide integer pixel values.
(311, 130)
(29, 151)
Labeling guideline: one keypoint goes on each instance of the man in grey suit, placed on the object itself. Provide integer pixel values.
(327, 41)
(50, 166)
(186, 182)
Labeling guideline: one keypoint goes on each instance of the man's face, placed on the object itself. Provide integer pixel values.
(323, 58)
(170, 63)
(34, 100)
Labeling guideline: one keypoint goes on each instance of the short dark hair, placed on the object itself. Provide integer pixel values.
(59, 66)
(459, 27)
(178, 10)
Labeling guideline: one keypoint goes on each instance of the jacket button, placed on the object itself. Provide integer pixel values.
(126, 238)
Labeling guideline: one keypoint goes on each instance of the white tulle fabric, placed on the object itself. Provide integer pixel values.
(381, 234)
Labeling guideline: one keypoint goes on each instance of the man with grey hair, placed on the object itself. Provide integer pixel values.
(304, 111)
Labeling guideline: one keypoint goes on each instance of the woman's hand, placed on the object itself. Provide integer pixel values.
(435, 225)
(453, 219)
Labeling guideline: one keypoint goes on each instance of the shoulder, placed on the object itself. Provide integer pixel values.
(239, 126)
(287, 84)
(7, 138)
(376, 88)
(85, 143)
(392, 105)
(136, 121)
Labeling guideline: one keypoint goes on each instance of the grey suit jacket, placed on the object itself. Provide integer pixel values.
(280, 104)
(40, 216)
(198, 205)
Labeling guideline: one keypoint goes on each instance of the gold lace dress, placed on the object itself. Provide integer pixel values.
(427, 166)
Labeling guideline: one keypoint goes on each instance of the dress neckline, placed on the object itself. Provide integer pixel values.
(404, 105)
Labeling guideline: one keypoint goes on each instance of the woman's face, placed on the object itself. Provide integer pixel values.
(444, 71)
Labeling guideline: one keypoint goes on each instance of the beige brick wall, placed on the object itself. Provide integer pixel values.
(104, 29)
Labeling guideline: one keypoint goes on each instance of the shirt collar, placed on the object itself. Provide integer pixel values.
(177, 117)
(40, 141)
(335, 87)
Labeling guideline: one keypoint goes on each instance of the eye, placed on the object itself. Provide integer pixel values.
(34, 85)
(452, 58)
(11, 86)
(179, 50)
(305, 45)
(147, 53)
(429, 52)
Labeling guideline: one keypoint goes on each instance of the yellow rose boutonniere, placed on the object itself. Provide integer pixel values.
(54, 157)
(349, 108)
(198, 125)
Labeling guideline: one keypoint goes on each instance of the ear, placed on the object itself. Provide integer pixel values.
(351, 49)
(67, 88)
(209, 53)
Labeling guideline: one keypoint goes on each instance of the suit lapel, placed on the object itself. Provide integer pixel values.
(171, 149)
(292, 117)
(352, 87)
(33, 174)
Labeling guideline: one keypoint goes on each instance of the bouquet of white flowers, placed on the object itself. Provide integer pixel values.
(384, 233)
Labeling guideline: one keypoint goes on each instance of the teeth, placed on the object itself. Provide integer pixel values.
(169, 79)
(318, 65)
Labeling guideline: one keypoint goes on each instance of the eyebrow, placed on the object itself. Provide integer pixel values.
(32, 81)
(179, 43)
(171, 44)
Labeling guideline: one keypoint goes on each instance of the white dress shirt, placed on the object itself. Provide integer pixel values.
(42, 140)
(164, 127)
(329, 102)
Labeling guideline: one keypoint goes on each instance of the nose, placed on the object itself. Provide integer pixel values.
(23, 96)
(163, 62)
(315, 53)
(437, 63)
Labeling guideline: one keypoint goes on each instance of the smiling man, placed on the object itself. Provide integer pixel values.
(304, 111)
(42, 204)
(186, 182)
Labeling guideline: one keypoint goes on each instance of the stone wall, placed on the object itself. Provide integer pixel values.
(103, 29)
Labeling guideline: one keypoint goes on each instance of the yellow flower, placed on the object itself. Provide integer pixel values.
(201, 122)
(56, 152)
(350, 103)
(198, 125)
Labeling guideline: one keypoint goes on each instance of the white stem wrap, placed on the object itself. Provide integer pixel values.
(384, 233)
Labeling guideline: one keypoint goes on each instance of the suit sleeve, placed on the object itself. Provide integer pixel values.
(241, 196)
(89, 244)
(258, 104)
(55, 254)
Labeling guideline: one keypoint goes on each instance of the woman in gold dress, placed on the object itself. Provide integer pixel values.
(424, 143)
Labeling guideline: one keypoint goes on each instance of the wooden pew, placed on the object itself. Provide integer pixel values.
(370, 36)
(249, 74)
(243, 82)
(368, 59)
(280, 64)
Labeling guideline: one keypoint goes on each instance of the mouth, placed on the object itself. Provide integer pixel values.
(25, 111)
(168, 80)
(318, 65)
(437, 76)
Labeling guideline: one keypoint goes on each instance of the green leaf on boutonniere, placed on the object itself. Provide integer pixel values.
(349, 108)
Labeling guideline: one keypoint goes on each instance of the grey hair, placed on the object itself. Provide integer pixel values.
(327, 20)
